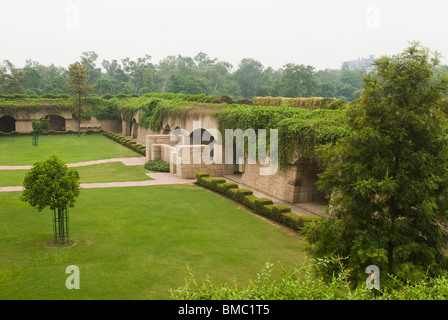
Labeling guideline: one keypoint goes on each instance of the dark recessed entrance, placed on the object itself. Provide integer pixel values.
(7, 124)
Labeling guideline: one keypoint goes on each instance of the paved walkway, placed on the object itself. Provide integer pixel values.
(160, 178)
(126, 161)
(310, 208)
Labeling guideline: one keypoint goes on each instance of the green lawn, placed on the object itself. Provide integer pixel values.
(136, 243)
(18, 151)
(106, 172)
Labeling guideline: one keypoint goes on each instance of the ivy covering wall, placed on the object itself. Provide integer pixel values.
(300, 129)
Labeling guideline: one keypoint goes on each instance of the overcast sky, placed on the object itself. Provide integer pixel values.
(321, 33)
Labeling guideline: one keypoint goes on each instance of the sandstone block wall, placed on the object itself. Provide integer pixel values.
(293, 183)
(189, 160)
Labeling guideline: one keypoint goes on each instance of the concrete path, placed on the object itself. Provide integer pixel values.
(310, 208)
(126, 161)
(159, 179)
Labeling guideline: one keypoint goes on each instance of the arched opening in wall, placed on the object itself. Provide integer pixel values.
(167, 129)
(134, 129)
(197, 137)
(7, 124)
(57, 123)
(238, 164)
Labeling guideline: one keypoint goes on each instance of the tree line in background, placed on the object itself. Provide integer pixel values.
(179, 74)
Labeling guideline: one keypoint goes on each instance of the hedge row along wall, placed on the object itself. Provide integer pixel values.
(305, 103)
(262, 206)
(131, 144)
(50, 133)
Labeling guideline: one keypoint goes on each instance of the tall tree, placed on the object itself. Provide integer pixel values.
(388, 176)
(78, 86)
(114, 71)
(298, 81)
(164, 70)
(12, 79)
(140, 72)
(249, 76)
(93, 72)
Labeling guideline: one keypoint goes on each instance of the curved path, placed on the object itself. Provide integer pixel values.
(163, 179)
(158, 177)
(126, 161)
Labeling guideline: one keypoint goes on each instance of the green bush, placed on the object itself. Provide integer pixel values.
(158, 165)
(49, 96)
(107, 96)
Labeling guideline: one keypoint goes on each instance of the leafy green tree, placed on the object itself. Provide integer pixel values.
(140, 72)
(387, 179)
(12, 79)
(78, 85)
(104, 86)
(187, 85)
(298, 81)
(249, 76)
(114, 71)
(32, 79)
(124, 87)
(39, 126)
(93, 73)
(50, 183)
(56, 85)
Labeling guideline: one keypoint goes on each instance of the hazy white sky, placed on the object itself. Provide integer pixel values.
(321, 33)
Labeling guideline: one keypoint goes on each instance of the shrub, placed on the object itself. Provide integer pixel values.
(226, 99)
(49, 96)
(107, 96)
(158, 165)
(245, 101)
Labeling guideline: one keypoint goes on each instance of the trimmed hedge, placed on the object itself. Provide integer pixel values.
(131, 144)
(49, 133)
(263, 206)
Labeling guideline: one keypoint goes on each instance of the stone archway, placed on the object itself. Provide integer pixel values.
(134, 129)
(167, 129)
(7, 124)
(197, 138)
(200, 133)
(57, 123)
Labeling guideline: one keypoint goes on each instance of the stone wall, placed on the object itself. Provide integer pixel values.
(185, 165)
(24, 121)
(293, 183)
(157, 140)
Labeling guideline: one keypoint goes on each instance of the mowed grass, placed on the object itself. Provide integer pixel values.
(18, 151)
(97, 173)
(136, 243)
